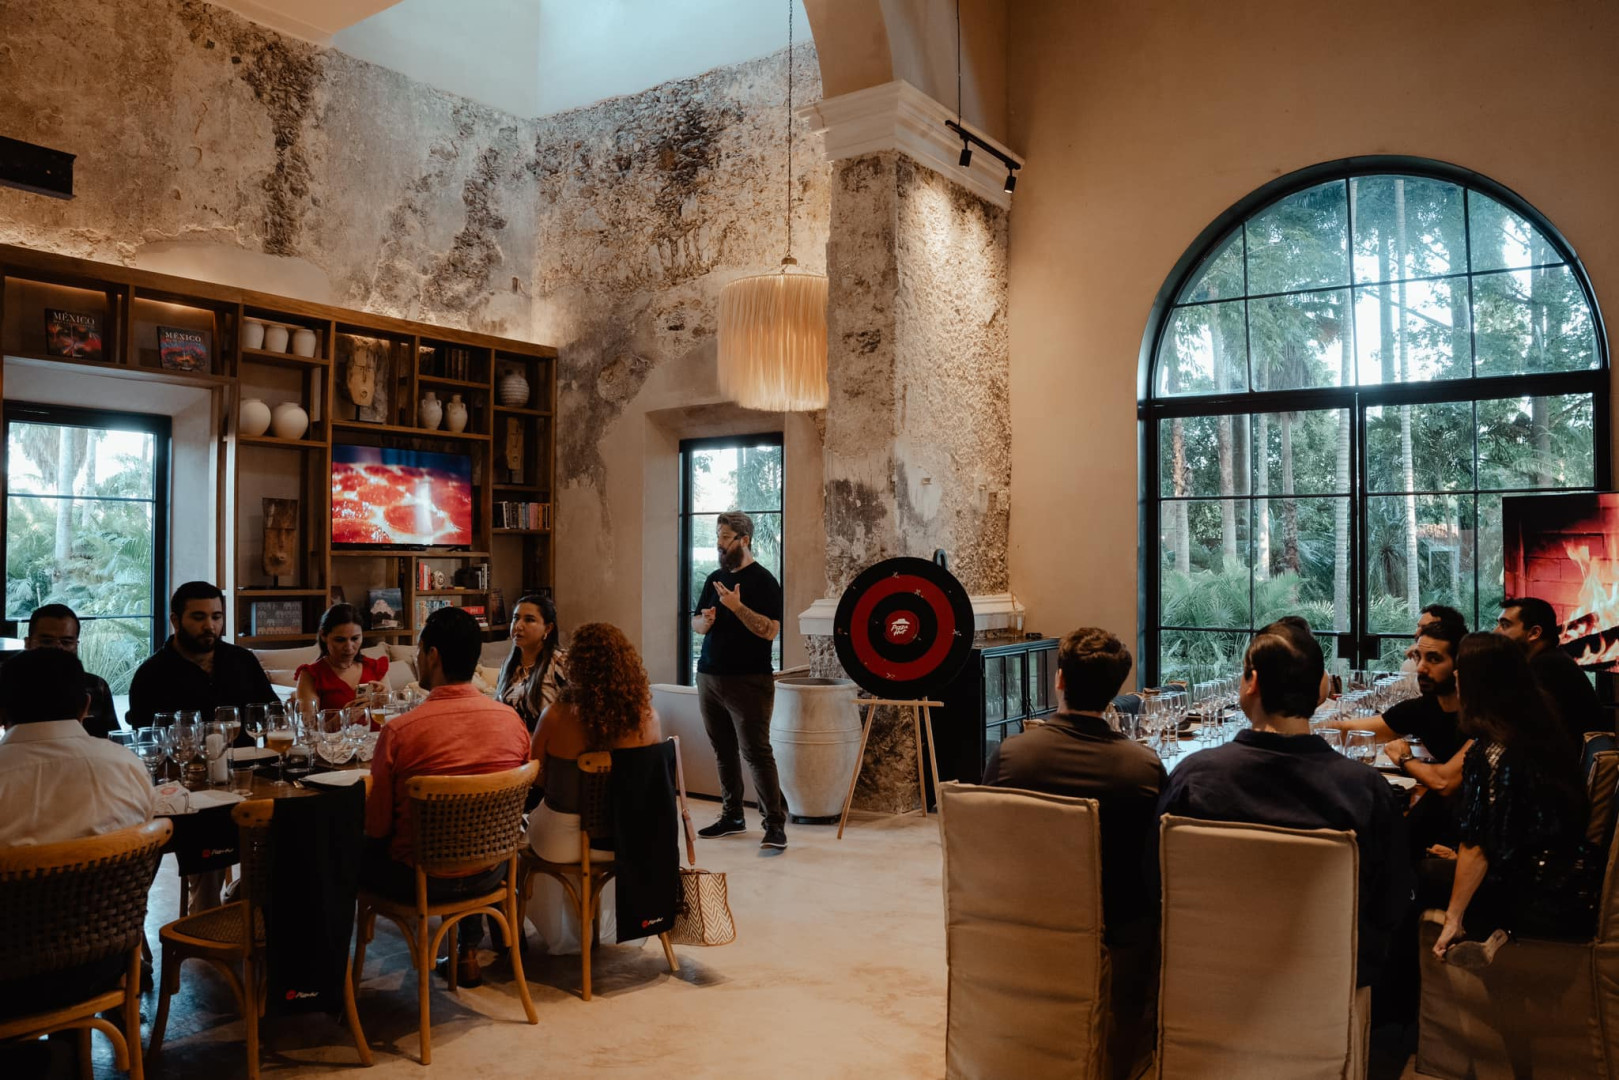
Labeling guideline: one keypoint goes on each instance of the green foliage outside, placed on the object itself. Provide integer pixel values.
(1259, 519)
(747, 478)
(89, 552)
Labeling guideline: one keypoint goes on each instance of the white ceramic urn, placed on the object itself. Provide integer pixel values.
(431, 412)
(252, 334)
(455, 414)
(815, 732)
(252, 418)
(275, 338)
(303, 342)
(290, 420)
(514, 389)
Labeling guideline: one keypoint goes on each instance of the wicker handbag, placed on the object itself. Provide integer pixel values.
(705, 909)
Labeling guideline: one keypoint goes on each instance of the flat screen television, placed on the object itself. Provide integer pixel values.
(400, 498)
(1565, 549)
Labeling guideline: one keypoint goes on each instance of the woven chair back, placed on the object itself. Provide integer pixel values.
(464, 824)
(596, 794)
(253, 830)
(77, 901)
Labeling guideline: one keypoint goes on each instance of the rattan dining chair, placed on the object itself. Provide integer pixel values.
(460, 825)
(585, 879)
(220, 937)
(73, 903)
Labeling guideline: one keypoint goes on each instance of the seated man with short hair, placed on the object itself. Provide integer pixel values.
(1077, 753)
(1278, 773)
(1531, 622)
(56, 626)
(58, 782)
(456, 732)
(197, 669)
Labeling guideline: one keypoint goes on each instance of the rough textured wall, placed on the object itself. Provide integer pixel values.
(648, 206)
(918, 435)
(201, 135)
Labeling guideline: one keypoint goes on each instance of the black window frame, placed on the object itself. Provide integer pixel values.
(685, 671)
(161, 428)
(1359, 645)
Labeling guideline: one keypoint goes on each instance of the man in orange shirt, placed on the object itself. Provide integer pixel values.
(455, 732)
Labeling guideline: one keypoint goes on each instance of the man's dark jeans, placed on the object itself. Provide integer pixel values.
(381, 873)
(736, 714)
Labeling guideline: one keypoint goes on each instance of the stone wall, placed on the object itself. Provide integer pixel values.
(214, 148)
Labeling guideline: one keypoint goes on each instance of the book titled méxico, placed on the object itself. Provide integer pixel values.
(75, 334)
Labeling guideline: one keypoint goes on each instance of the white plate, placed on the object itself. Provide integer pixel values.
(252, 753)
(337, 779)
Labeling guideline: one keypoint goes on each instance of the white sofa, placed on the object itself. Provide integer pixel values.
(676, 707)
(281, 665)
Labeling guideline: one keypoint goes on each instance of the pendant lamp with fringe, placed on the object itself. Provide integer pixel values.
(772, 332)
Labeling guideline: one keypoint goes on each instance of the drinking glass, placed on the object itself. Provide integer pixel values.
(230, 722)
(123, 738)
(149, 748)
(278, 737)
(253, 723)
(242, 764)
(185, 744)
(332, 737)
(1360, 746)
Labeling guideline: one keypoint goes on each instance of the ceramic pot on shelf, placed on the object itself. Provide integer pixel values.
(252, 334)
(290, 421)
(514, 389)
(252, 418)
(431, 412)
(303, 342)
(455, 414)
(275, 338)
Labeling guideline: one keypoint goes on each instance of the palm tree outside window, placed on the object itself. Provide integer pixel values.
(1341, 380)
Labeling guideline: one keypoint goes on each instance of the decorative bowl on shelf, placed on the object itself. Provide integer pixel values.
(253, 418)
(514, 389)
(290, 420)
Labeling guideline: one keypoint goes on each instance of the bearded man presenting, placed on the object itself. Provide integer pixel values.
(739, 615)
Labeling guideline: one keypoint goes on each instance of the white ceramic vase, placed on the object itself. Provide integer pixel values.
(431, 412)
(455, 414)
(290, 420)
(252, 334)
(253, 418)
(815, 732)
(275, 338)
(303, 342)
(514, 390)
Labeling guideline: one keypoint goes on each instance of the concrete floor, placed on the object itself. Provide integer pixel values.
(838, 970)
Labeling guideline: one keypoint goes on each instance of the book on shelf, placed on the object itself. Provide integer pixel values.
(523, 515)
(477, 611)
(426, 605)
(386, 608)
(271, 617)
(179, 349)
(75, 334)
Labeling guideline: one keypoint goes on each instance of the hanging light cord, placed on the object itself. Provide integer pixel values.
(958, 62)
(789, 260)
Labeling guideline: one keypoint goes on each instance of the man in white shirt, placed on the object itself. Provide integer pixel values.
(57, 781)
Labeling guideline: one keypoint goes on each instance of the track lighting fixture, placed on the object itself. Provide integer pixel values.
(969, 140)
(966, 158)
(1011, 182)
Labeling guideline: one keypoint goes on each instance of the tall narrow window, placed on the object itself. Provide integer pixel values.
(1344, 377)
(86, 518)
(743, 472)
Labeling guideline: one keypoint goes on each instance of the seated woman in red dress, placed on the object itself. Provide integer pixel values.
(341, 673)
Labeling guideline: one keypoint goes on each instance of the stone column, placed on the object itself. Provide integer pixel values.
(918, 428)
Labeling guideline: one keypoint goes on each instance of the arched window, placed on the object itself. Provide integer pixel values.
(1341, 380)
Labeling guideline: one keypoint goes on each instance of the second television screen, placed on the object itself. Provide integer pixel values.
(400, 498)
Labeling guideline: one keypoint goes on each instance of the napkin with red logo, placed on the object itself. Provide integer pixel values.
(309, 916)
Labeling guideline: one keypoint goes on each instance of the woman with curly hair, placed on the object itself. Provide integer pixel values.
(607, 705)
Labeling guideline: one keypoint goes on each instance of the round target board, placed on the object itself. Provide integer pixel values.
(903, 629)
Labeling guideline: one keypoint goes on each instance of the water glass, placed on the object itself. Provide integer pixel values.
(1360, 746)
(123, 738)
(242, 763)
(149, 748)
(253, 722)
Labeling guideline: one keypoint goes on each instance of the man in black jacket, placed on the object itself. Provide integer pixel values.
(1076, 753)
(196, 668)
(1278, 773)
(1531, 622)
(56, 626)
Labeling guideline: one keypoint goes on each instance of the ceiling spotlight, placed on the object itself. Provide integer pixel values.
(1011, 181)
(966, 157)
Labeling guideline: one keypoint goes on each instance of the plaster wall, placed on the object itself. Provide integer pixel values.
(1142, 122)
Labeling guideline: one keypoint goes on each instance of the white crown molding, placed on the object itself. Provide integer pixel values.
(898, 116)
(991, 611)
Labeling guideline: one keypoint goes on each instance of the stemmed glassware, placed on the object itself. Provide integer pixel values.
(150, 749)
(253, 723)
(278, 737)
(230, 722)
(185, 744)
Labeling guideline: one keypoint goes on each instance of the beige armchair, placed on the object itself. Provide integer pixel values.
(1259, 938)
(1542, 1008)
(1023, 923)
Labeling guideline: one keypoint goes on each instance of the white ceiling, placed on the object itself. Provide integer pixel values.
(537, 57)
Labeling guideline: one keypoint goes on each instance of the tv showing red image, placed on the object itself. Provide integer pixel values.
(1564, 549)
(400, 498)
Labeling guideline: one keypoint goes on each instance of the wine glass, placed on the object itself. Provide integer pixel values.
(333, 738)
(149, 748)
(278, 738)
(185, 743)
(229, 719)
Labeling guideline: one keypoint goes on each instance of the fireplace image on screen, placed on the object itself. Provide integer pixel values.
(1565, 550)
(400, 498)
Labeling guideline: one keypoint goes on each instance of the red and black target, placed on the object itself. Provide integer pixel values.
(904, 628)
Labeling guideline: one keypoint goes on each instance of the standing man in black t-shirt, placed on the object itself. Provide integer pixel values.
(739, 615)
(1531, 622)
